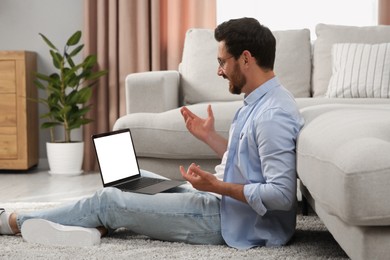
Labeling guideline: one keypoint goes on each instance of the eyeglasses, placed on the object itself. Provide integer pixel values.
(222, 62)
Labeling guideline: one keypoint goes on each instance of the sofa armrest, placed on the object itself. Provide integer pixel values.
(153, 91)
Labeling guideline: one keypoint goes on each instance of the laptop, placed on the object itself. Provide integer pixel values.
(119, 167)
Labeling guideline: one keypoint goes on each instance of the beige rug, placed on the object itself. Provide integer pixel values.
(312, 241)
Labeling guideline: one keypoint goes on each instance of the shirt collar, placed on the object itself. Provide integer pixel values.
(260, 91)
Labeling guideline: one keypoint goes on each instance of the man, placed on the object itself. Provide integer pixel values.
(250, 201)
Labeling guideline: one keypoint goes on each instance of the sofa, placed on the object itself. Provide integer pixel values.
(341, 83)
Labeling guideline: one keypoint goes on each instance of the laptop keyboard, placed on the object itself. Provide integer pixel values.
(140, 183)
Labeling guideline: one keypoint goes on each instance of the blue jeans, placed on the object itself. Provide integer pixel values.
(181, 214)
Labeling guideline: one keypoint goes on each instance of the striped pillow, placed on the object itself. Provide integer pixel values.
(360, 71)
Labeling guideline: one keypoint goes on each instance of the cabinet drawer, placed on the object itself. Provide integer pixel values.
(7, 76)
(8, 147)
(8, 109)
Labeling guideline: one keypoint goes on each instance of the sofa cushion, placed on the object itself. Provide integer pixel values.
(360, 71)
(327, 35)
(293, 61)
(343, 160)
(164, 135)
(198, 69)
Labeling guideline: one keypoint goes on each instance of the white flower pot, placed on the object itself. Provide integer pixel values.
(65, 158)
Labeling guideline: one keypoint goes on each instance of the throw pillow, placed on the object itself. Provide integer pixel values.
(327, 35)
(360, 71)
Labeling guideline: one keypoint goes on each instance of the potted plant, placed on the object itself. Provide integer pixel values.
(68, 90)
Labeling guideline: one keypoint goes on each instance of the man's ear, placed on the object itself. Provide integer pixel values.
(247, 56)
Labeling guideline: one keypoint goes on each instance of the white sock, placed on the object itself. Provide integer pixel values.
(5, 228)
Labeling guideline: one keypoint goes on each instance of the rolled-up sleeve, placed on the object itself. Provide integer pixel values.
(275, 133)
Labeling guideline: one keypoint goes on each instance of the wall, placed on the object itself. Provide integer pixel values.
(287, 14)
(20, 23)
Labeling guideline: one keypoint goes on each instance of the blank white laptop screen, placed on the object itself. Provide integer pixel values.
(116, 157)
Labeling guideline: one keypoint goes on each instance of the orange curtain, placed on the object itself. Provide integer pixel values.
(131, 36)
(384, 12)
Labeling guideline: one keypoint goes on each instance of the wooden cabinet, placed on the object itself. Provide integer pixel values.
(18, 112)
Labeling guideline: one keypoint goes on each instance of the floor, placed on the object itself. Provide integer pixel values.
(37, 185)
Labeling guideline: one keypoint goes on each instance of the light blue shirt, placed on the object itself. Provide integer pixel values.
(261, 155)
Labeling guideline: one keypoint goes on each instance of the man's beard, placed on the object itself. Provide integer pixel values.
(237, 81)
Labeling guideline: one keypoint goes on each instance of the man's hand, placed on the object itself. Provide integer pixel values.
(205, 181)
(200, 180)
(203, 129)
(199, 127)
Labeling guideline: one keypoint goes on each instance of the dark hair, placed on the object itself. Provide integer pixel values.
(248, 34)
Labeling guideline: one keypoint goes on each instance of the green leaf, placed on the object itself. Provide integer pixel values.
(49, 124)
(46, 115)
(54, 84)
(81, 112)
(65, 109)
(78, 97)
(74, 39)
(70, 76)
(57, 59)
(76, 50)
(48, 42)
(77, 115)
(70, 61)
(84, 95)
(96, 75)
(71, 97)
(80, 122)
(43, 77)
(89, 61)
(42, 101)
(39, 84)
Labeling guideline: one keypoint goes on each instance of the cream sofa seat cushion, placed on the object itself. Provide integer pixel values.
(343, 159)
(198, 69)
(164, 135)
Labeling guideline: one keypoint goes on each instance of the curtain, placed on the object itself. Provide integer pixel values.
(384, 12)
(131, 36)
